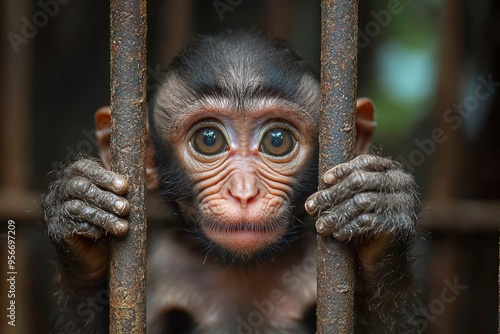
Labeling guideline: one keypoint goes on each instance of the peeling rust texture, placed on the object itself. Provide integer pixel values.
(339, 27)
(128, 158)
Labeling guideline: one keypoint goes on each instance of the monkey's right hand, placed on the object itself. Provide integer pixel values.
(80, 208)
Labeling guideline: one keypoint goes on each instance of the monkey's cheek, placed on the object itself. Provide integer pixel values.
(245, 241)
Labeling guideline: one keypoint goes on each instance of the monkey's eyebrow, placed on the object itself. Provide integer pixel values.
(211, 90)
(248, 91)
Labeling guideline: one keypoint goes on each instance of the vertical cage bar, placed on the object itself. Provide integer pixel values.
(128, 157)
(339, 27)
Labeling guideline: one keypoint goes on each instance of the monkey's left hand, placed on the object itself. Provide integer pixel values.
(369, 199)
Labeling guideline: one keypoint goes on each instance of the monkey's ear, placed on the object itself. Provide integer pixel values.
(103, 135)
(102, 120)
(365, 125)
(151, 176)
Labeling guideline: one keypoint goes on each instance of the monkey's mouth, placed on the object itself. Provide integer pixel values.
(244, 237)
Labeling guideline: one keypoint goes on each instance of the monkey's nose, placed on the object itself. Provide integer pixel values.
(243, 188)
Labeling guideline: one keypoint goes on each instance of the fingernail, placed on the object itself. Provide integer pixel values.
(310, 205)
(121, 226)
(329, 178)
(118, 184)
(119, 206)
(320, 226)
(338, 236)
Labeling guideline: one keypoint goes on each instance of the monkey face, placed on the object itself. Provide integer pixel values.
(244, 168)
(235, 138)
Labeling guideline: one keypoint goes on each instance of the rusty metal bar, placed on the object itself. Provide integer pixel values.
(128, 158)
(339, 27)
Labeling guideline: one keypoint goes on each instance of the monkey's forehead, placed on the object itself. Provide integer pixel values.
(176, 100)
(238, 70)
(243, 65)
(239, 51)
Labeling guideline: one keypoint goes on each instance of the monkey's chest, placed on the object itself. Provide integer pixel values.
(186, 295)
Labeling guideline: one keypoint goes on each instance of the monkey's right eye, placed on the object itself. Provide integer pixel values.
(209, 141)
(278, 142)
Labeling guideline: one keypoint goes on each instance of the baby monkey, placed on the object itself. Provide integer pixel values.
(233, 133)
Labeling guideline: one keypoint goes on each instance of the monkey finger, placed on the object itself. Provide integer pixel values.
(338, 216)
(339, 193)
(101, 176)
(373, 224)
(356, 183)
(80, 211)
(388, 182)
(355, 228)
(82, 188)
(87, 230)
(327, 224)
(386, 205)
(366, 162)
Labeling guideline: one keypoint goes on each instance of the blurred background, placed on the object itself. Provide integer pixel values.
(431, 66)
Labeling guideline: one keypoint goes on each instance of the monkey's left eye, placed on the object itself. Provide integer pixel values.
(209, 141)
(278, 142)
